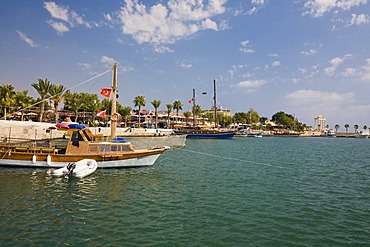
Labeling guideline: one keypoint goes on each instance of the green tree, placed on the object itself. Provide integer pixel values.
(74, 102)
(198, 112)
(177, 105)
(56, 95)
(169, 110)
(42, 88)
(93, 106)
(336, 127)
(252, 116)
(285, 120)
(7, 95)
(156, 104)
(23, 100)
(240, 117)
(364, 128)
(355, 127)
(346, 126)
(187, 115)
(125, 112)
(139, 101)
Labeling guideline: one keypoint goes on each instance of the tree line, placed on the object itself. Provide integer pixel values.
(52, 95)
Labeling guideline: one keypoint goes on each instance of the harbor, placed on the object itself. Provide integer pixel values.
(239, 192)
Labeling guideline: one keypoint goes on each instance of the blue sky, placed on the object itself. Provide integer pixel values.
(303, 57)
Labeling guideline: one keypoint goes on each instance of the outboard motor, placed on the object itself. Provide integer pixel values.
(70, 168)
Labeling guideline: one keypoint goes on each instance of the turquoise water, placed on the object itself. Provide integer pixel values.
(240, 192)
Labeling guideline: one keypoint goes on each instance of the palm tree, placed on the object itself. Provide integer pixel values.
(169, 110)
(125, 112)
(177, 105)
(74, 101)
(156, 104)
(336, 127)
(364, 128)
(7, 95)
(42, 88)
(197, 111)
(355, 127)
(23, 101)
(56, 95)
(187, 114)
(139, 101)
(346, 126)
(93, 105)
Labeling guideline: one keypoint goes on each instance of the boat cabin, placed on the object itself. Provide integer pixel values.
(83, 141)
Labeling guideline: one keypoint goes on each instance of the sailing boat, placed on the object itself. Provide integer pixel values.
(82, 144)
(205, 132)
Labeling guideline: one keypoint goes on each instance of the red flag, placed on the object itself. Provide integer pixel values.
(100, 113)
(106, 92)
(190, 101)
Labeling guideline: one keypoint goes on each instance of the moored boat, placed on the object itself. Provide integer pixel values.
(82, 144)
(80, 169)
(205, 132)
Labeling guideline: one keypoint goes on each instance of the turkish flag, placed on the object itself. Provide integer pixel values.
(100, 113)
(106, 92)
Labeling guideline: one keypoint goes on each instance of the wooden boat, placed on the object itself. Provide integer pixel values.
(82, 144)
(204, 132)
(80, 169)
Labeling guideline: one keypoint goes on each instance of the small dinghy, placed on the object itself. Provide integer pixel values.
(77, 169)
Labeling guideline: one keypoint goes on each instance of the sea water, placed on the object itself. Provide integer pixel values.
(240, 192)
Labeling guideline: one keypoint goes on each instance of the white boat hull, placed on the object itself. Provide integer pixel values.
(82, 169)
(127, 163)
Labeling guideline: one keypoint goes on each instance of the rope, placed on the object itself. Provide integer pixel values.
(235, 159)
(101, 74)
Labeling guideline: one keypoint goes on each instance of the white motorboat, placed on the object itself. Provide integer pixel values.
(77, 169)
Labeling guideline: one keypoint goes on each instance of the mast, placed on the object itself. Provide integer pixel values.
(214, 101)
(194, 120)
(113, 120)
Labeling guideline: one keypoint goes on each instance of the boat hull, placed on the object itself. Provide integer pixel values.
(210, 136)
(82, 169)
(60, 160)
(206, 134)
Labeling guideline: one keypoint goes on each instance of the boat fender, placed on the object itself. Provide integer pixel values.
(34, 159)
(115, 117)
(48, 160)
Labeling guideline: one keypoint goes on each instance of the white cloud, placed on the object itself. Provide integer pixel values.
(335, 62)
(258, 2)
(108, 17)
(359, 19)
(366, 71)
(348, 72)
(162, 49)
(310, 52)
(65, 18)
(275, 64)
(58, 26)
(318, 8)
(26, 39)
(321, 98)
(85, 66)
(257, 5)
(245, 47)
(108, 60)
(186, 66)
(57, 12)
(251, 84)
(166, 24)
